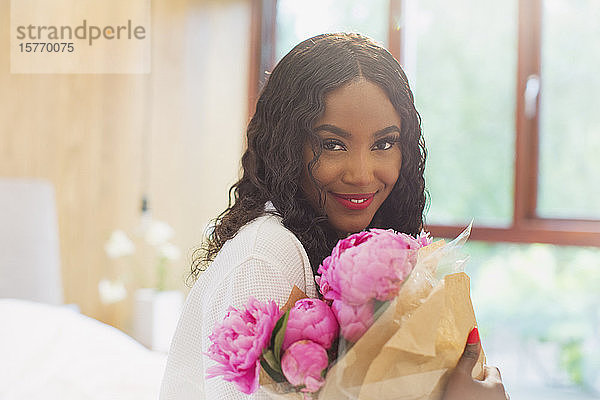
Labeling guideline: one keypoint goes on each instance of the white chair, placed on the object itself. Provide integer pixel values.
(29, 245)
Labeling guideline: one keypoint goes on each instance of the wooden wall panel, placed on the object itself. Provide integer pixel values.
(84, 133)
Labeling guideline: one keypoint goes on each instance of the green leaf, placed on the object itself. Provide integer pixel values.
(380, 306)
(332, 352)
(269, 358)
(279, 335)
(271, 366)
(274, 331)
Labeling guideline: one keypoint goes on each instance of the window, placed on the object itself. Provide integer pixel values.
(298, 20)
(509, 93)
(462, 62)
(569, 171)
(537, 309)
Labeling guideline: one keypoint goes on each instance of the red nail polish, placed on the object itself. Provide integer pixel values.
(473, 336)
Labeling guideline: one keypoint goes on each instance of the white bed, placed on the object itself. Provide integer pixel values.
(53, 353)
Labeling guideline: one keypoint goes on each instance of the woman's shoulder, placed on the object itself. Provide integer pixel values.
(266, 242)
(265, 225)
(266, 237)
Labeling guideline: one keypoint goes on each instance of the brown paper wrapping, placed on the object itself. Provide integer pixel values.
(408, 352)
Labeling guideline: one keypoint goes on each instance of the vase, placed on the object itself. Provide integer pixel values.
(155, 317)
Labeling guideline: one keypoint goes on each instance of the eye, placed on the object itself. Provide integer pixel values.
(385, 144)
(333, 145)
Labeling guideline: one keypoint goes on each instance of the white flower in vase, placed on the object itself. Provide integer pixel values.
(158, 233)
(119, 245)
(111, 292)
(169, 251)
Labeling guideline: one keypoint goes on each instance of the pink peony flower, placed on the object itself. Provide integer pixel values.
(303, 364)
(311, 319)
(368, 265)
(323, 284)
(424, 239)
(354, 320)
(238, 342)
(342, 245)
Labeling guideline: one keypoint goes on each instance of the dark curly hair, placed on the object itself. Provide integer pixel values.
(291, 102)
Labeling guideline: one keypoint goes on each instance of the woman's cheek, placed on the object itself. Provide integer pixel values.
(326, 172)
(390, 171)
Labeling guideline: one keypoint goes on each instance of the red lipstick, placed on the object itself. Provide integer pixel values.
(354, 201)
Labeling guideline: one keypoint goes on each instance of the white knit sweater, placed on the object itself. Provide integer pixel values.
(264, 260)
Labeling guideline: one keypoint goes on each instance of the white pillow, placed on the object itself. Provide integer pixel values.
(51, 352)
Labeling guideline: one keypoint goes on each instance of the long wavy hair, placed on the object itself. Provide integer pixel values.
(291, 102)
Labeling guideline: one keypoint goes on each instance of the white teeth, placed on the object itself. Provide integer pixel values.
(358, 201)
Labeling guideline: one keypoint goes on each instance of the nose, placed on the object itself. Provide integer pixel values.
(358, 170)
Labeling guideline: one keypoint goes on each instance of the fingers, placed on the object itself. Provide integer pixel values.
(493, 379)
(469, 357)
(492, 375)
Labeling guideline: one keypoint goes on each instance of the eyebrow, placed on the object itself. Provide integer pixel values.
(342, 133)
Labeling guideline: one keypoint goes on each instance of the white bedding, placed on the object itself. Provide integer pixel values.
(49, 352)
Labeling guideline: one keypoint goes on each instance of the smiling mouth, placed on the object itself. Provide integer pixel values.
(356, 201)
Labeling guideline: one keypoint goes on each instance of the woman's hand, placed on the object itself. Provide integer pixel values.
(461, 386)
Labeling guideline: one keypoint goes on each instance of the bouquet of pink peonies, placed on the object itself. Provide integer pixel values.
(363, 273)
(417, 335)
(294, 347)
(290, 349)
(375, 287)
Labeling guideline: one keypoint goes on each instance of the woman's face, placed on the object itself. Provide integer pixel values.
(361, 157)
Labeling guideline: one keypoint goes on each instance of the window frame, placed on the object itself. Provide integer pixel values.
(526, 225)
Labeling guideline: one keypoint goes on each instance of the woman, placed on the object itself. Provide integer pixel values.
(334, 147)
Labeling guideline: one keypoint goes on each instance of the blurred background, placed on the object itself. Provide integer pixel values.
(133, 167)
